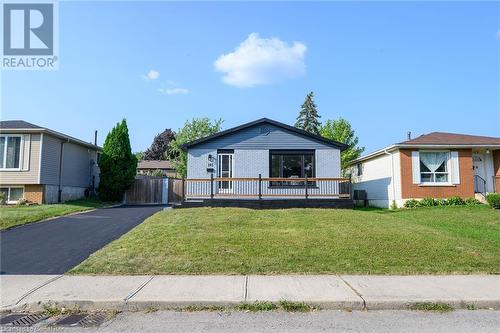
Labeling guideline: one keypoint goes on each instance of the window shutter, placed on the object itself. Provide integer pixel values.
(25, 152)
(415, 166)
(455, 168)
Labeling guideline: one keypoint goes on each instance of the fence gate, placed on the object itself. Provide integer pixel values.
(175, 190)
(147, 190)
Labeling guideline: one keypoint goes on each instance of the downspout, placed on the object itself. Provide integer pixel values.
(61, 165)
(392, 176)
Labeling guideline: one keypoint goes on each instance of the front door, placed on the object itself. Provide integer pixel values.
(478, 166)
(225, 170)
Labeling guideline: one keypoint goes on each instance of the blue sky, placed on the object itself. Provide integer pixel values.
(386, 67)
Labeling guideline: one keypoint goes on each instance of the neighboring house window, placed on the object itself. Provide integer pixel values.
(434, 167)
(12, 194)
(10, 151)
(359, 169)
(291, 164)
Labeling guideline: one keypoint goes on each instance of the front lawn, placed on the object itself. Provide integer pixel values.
(310, 241)
(11, 216)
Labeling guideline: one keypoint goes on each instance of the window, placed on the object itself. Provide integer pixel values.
(291, 164)
(12, 194)
(10, 152)
(359, 169)
(434, 167)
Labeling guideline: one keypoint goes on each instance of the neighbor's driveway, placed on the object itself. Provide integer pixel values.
(55, 246)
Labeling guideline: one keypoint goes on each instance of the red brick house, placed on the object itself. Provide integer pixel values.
(437, 165)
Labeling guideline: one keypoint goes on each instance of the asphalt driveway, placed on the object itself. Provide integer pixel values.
(55, 246)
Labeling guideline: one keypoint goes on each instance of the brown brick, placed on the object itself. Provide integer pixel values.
(465, 189)
(33, 193)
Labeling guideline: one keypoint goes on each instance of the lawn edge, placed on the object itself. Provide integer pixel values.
(62, 215)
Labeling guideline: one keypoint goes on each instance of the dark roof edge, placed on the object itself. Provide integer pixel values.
(265, 120)
(50, 132)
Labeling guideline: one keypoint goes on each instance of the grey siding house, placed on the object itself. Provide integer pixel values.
(44, 166)
(264, 159)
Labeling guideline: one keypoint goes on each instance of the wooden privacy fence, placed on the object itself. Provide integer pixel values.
(262, 188)
(147, 190)
(175, 190)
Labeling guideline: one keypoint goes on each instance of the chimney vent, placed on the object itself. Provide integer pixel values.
(408, 135)
(95, 137)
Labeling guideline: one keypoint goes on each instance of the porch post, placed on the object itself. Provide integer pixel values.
(305, 186)
(260, 186)
(211, 186)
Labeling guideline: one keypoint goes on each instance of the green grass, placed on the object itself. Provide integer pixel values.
(11, 216)
(433, 240)
(435, 307)
(257, 306)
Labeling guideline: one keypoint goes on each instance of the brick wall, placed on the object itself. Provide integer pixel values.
(496, 165)
(33, 193)
(465, 189)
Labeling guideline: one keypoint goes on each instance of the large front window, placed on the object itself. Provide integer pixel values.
(434, 167)
(10, 152)
(291, 164)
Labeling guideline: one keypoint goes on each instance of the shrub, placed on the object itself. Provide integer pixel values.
(455, 201)
(22, 202)
(442, 202)
(3, 198)
(493, 200)
(428, 202)
(412, 203)
(472, 202)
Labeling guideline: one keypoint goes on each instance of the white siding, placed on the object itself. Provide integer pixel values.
(377, 180)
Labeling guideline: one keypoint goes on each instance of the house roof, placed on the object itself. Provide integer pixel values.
(438, 140)
(269, 121)
(21, 126)
(155, 164)
(17, 124)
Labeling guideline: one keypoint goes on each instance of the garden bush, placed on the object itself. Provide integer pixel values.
(455, 201)
(3, 198)
(493, 200)
(452, 201)
(472, 202)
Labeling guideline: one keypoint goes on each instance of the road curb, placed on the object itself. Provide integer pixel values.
(86, 305)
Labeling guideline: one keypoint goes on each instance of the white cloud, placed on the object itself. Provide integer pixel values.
(173, 91)
(151, 75)
(259, 61)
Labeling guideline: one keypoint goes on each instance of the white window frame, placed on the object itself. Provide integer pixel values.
(219, 172)
(7, 200)
(21, 152)
(448, 168)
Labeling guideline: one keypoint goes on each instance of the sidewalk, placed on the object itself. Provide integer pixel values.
(31, 292)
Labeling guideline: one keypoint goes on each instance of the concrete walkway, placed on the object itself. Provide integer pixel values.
(31, 292)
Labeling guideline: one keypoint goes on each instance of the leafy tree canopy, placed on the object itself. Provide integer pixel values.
(341, 130)
(117, 164)
(159, 148)
(195, 129)
(308, 118)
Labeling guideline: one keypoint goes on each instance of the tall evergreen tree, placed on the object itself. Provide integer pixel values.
(341, 130)
(117, 164)
(159, 148)
(308, 118)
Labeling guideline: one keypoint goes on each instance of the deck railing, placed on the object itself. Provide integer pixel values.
(267, 188)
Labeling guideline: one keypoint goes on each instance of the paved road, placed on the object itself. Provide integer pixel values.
(55, 246)
(484, 321)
